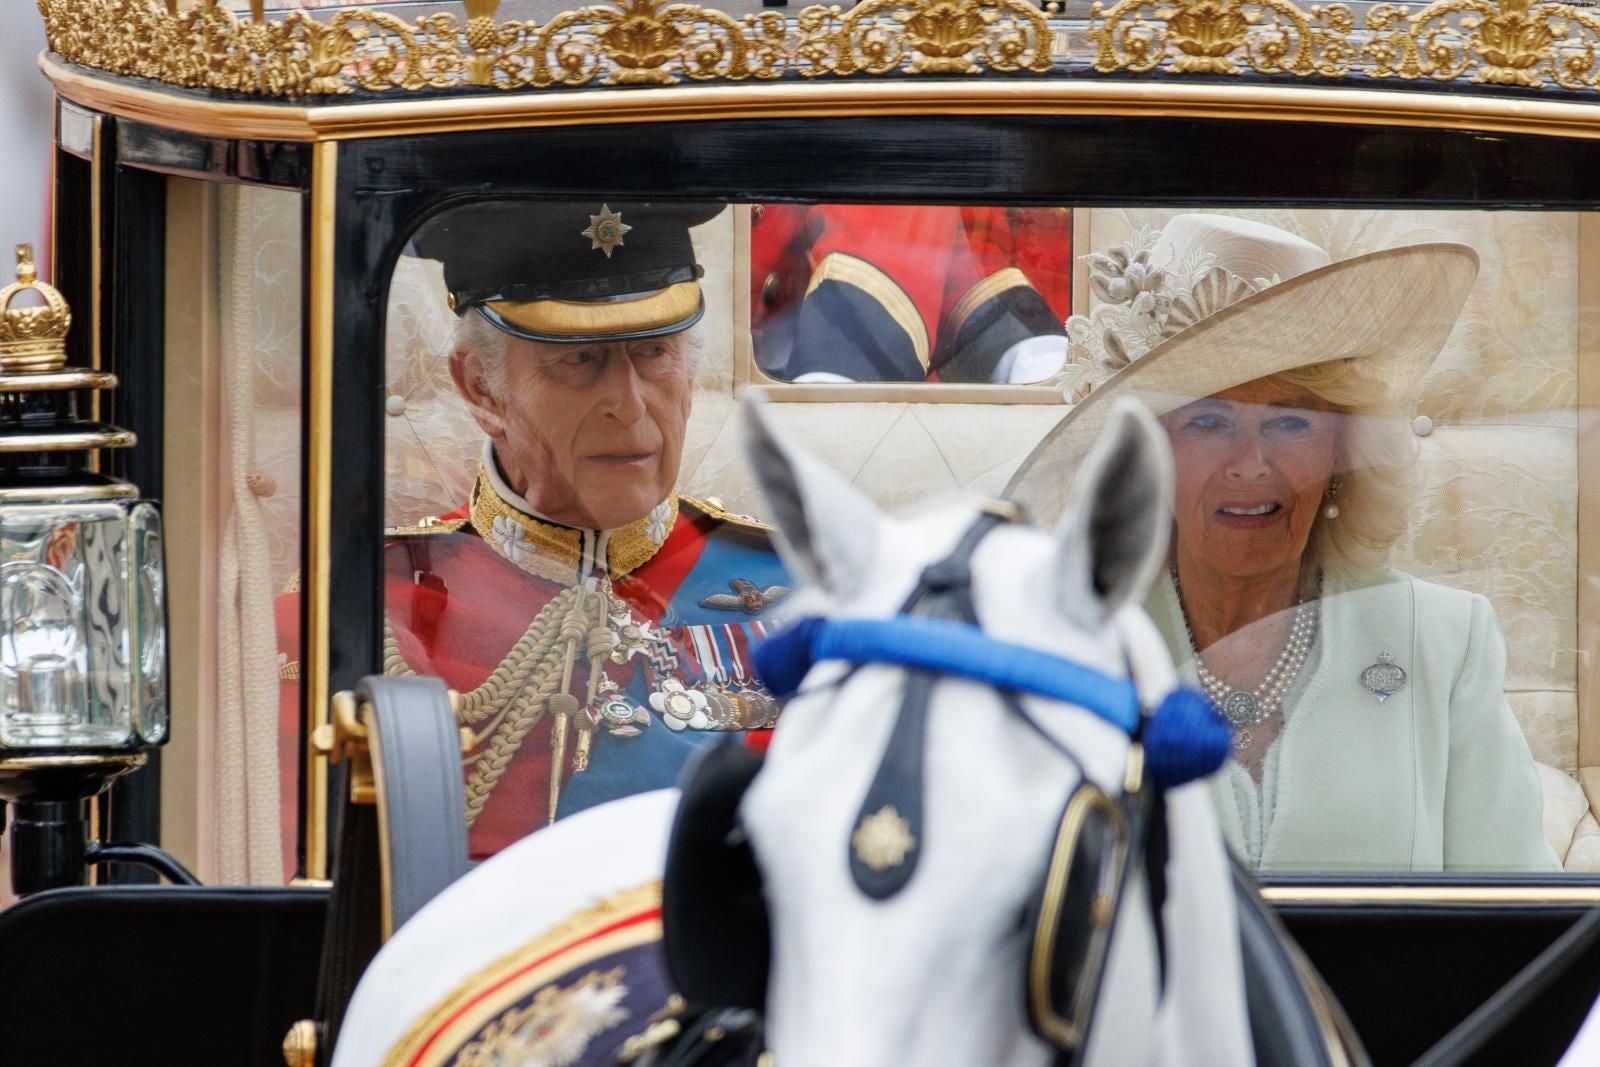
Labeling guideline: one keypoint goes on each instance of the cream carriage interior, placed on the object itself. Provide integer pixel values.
(242, 189)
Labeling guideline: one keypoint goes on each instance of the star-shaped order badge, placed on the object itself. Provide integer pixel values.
(630, 637)
(606, 230)
(613, 709)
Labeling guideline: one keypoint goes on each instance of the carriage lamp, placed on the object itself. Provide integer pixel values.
(83, 689)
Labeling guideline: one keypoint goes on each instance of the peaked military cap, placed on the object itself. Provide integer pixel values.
(572, 271)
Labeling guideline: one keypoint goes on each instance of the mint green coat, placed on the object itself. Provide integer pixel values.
(1437, 777)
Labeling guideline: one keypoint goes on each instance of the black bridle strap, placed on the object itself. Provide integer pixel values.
(888, 833)
(896, 794)
(947, 584)
(1144, 813)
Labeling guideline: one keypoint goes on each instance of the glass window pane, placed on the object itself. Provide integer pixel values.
(232, 518)
(1375, 414)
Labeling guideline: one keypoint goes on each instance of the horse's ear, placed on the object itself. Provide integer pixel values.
(1113, 533)
(827, 530)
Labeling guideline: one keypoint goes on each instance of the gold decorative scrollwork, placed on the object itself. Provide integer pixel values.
(626, 42)
(641, 42)
(938, 37)
(206, 45)
(1514, 42)
(1222, 37)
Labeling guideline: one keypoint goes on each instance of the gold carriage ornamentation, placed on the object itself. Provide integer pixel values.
(205, 45)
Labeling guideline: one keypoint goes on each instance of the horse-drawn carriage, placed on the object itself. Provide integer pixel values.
(929, 231)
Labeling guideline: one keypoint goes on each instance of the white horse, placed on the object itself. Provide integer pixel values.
(533, 958)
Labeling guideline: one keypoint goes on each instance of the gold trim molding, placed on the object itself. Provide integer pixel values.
(1552, 892)
(202, 44)
(625, 42)
(1212, 99)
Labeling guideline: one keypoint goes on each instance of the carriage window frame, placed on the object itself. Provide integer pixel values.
(324, 148)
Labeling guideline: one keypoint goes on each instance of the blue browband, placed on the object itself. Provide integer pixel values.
(1185, 738)
(962, 650)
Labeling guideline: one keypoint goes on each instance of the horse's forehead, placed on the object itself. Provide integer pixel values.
(905, 544)
(911, 542)
(1013, 569)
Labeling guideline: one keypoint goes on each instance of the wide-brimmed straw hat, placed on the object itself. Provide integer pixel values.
(1213, 302)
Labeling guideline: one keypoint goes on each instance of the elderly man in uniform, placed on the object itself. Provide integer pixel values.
(597, 622)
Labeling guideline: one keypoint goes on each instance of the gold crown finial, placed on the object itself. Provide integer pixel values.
(32, 337)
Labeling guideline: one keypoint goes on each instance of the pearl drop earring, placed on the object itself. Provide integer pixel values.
(1332, 510)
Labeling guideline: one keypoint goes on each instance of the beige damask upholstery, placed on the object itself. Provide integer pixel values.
(1566, 812)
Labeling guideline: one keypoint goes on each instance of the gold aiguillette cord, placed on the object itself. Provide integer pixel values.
(563, 705)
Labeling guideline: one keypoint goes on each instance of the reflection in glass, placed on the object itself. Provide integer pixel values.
(1371, 726)
(67, 673)
(895, 293)
(1445, 406)
(41, 661)
(149, 624)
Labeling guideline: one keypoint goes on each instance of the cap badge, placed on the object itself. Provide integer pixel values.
(606, 230)
(1384, 678)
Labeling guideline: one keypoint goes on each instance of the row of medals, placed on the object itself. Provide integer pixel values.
(711, 705)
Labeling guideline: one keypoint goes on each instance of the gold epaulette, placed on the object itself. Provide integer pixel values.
(430, 525)
(713, 507)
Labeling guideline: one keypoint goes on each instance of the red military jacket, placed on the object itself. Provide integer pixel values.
(515, 614)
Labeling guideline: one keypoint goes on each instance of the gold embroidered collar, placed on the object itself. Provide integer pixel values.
(557, 552)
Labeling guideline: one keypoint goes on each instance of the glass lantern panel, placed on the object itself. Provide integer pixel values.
(65, 666)
(147, 575)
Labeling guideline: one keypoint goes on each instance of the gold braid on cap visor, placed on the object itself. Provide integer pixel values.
(664, 311)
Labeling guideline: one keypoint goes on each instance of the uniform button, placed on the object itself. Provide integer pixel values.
(771, 289)
(1422, 426)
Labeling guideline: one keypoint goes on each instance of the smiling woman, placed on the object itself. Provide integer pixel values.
(1256, 461)
(1371, 726)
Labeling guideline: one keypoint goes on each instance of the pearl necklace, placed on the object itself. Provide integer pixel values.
(1248, 708)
